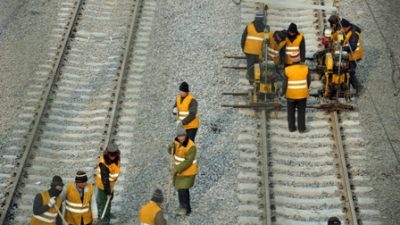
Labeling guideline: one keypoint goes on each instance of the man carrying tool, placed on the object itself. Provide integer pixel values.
(185, 169)
(186, 109)
(352, 45)
(295, 50)
(252, 43)
(46, 205)
(81, 206)
(151, 213)
(108, 169)
(295, 85)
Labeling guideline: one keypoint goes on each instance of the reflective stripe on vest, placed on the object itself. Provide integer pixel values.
(254, 41)
(48, 217)
(183, 111)
(76, 209)
(297, 81)
(292, 49)
(179, 156)
(358, 53)
(114, 171)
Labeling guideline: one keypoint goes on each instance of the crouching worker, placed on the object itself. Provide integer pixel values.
(47, 203)
(185, 168)
(80, 207)
(151, 213)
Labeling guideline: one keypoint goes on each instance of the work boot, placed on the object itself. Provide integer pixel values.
(181, 212)
(304, 131)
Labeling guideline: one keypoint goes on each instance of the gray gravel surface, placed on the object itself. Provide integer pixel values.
(25, 28)
(379, 106)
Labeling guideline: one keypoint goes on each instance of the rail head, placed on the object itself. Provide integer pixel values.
(41, 111)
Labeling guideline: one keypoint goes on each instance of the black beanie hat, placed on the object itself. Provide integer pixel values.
(157, 196)
(293, 28)
(345, 23)
(57, 181)
(81, 177)
(334, 19)
(184, 87)
(334, 221)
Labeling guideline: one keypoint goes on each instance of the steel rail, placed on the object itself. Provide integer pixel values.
(344, 174)
(122, 74)
(265, 171)
(42, 108)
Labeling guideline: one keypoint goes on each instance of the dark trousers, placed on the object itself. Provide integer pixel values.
(353, 79)
(191, 133)
(300, 105)
(101, 203)
(251, 60)
(184, 199)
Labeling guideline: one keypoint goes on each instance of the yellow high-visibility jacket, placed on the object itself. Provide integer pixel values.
(148, 213)
(359, 52)
(49, 217)
(183, 111)
(114, 173)
(75, 209)
(297, 86)
(179, 156)
(254, 41)
(292, 50)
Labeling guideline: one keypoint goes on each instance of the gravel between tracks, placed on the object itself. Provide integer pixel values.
(189, 41)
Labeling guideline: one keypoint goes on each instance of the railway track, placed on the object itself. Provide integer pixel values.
(290, 178)
(79, 91)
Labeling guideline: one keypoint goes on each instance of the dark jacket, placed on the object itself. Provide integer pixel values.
(260, 27)
(105, 173)
(353, 39)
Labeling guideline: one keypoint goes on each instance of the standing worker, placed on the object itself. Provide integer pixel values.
(277, 41)
(81, 206)
(352, 45)
(185, 168)
(108, 169)
(186, 109)
(252, 43)
(295, 85)
(334, 221)
(151, 213)
(47, 203)
(295, 51)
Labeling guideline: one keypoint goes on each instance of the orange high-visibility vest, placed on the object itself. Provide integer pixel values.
(114, 170)
(179, 156)
(254, 40)
(274, 48)
(148, 213)
(297, 87)
(359, 52)
(49, 217)
(293, 50)
(75, 209)
(183, 111)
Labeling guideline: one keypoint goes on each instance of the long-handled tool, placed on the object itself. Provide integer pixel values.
(105, 207)
(171, 180)
(60, 214)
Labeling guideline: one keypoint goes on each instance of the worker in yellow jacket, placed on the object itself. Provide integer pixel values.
(107, 173)
(46, 204)
(152, 213)
(295, 49)
(80, 201)
(252, 43)
(295, 86)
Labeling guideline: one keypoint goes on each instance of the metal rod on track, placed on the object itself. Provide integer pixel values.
(344, 174)
(267, 203)
(42, 108)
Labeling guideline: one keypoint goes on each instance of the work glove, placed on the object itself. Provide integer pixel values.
(178, 122)
(52, 202)
(174, 110)
(166, 217)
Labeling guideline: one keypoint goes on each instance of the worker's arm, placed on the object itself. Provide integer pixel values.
(160, 220)
(192, 112)
(284, 85)
(244, 36)
(352, 46)
(303, 50)
(38, 207)
(189, 158)
(105, 175)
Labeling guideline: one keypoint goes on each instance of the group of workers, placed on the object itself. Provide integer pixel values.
(83, 207)
(287, 49)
